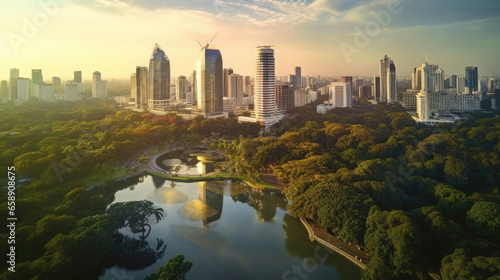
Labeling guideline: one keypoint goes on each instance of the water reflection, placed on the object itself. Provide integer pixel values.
(264, 204)
(166, 195)
(200, 236)
(211, 193)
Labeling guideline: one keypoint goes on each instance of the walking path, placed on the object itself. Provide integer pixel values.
(349, 251)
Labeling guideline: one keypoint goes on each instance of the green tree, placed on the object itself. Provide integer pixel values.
(175, 269)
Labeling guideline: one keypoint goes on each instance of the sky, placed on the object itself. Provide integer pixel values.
(324, 37)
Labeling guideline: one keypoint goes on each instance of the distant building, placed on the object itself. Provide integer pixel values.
(141, 87)
(410, 99)
(461, 85)
(99, 87)
(491, 85)
(471, 79)
(210, 82)
(226, 77)
(304, 96)
(44, 92)
(36, 77)
(340, 94)
(298, 76)
(77, 77)
(264, 97)
(181, 87)
(285, 99)
(236, 87)
(376, 88)
(14, 75)
(430, 100)
(248, 86)
(357, 83)
(159, 80)
(22, 90)
(365, 91)
(388, 91)
(133, 86)
(71, 92)
(4, 89)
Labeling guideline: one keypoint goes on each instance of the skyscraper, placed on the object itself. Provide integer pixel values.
(77, 77)
(376, 88)
(142, 87)
(264, 98)
(491, 85)
(4, 89)
(236, 88)
(133, 86)
(387, 80)
(99, 87)
(471, 79)
(461, 85)
(159, 79)
(284, 96)
(181, 86)
(453, 81)
(210, 90)
(227, 74)
(36, 76)
(298, 75)
(22, 89)
(14, 75)
(194, 87)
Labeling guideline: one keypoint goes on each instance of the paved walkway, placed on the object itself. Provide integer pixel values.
(349, 251)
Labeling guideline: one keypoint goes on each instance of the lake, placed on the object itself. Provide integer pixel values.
(229, 231)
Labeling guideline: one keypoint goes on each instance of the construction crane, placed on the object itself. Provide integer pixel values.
(208, 42)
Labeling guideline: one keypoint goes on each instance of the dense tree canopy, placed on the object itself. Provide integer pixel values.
(428, 188)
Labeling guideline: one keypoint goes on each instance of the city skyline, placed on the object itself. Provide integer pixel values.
(324, 37)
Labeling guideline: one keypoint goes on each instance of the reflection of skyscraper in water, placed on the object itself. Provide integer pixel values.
(211, 193)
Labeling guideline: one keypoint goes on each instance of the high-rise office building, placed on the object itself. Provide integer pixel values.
(376, 88)
(284, 96)
(461, 85)
(236, 88)
(357, 83)
(387, 81)
(14, 75)
(36, 76)
(210, 91)
(141, 87)
(227, 74)
(99, 87)
(77, 77)
(453, 81)
(159, 79)
(439, 79)
(298, 75)
(194, 87)
(248, 86)
(264, 98)
(133, 86)
(22, 89)
(4, 89)
(491, 85)
(181, 87)
(341, 93)
(471, 79)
